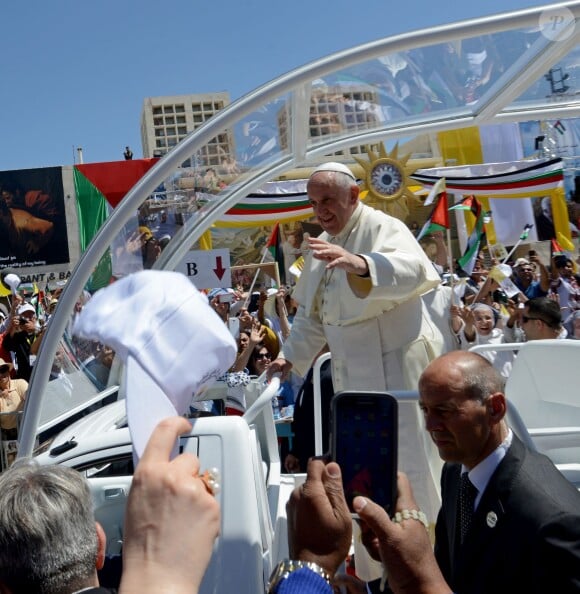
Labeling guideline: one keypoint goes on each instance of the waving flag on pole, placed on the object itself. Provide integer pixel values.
(438, 219)
(467, 261)
(526, 231)
(435, 191)
(274, 246)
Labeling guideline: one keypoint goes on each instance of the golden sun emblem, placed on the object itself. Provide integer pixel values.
(386, 181)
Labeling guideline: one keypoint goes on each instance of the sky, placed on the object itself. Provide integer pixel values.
(75, 72)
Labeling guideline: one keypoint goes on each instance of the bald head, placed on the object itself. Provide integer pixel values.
(469, 372)
(461, 396)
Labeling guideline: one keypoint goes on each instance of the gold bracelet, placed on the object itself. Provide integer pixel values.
(411, 514)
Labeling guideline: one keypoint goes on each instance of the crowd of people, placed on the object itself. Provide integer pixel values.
(521, 510)
(370, 295)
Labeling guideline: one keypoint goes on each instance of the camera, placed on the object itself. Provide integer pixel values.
(500, 297)
(22, 320)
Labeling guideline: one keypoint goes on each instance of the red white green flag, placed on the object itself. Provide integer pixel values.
(438, 219)
(467, 260)
(274, 246)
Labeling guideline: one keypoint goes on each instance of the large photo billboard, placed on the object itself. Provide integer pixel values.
(33, 230)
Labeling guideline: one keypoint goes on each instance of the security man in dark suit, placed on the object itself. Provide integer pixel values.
(512, 522)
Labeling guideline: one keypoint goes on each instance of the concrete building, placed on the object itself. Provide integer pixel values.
(167, 120)
(335, 110)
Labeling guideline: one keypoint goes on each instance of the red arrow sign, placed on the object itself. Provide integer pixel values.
(219, 269)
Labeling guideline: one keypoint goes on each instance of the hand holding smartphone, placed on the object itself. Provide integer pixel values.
(364, 437)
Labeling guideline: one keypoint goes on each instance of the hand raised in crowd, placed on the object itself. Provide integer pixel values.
(135, 242)
(465, 314)
(337, 257)
(319, 522)
(404, 547)
(257, 334)
(281, 366)
(16, 301)
(280, 297)
(171, 520)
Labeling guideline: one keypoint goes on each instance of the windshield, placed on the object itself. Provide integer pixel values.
(243, 168)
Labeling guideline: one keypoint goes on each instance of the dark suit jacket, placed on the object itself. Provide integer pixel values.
(525, 533)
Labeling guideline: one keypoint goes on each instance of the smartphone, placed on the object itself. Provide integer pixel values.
(234, 327)
(226, 298)
(531, 253)
(363, 441)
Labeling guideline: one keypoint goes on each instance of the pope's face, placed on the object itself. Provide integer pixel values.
(333, 204)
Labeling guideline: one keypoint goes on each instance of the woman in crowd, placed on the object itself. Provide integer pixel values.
(478, 324)
(259, 362)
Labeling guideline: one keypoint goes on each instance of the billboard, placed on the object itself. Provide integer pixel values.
(33, 229)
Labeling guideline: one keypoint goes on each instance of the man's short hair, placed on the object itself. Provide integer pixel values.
(562, 261)
(481, 378)
(546, 310)
(48, 538)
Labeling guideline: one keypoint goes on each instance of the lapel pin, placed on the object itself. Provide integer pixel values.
(491, 519)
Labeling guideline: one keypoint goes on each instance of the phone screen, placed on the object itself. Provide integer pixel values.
(364, 444)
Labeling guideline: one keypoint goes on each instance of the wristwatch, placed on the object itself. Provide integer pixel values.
(288, 566)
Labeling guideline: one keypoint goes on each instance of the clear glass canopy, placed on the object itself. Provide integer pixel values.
(518, 67)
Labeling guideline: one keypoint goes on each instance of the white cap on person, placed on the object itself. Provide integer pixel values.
(25, 308)
(336, 167)
(173, 343)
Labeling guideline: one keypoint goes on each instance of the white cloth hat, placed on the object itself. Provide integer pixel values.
(336, 167)
(24, 308)
(174, 344)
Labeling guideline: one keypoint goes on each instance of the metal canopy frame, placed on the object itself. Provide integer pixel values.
(498, 104)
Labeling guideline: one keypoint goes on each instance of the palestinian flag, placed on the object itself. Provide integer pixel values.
(467, 260)
(526, 231)
(556, 249)
(438, 219)
(100, 187)
(274, 246)
(562, 249)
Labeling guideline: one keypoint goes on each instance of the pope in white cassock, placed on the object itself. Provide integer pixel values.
(360, 292)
